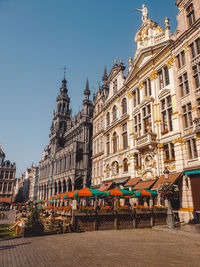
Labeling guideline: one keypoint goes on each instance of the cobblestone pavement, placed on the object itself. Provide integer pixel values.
(136, 247)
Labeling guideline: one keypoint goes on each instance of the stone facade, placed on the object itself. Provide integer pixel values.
(150, 118)
(66, 162)
(7, 179)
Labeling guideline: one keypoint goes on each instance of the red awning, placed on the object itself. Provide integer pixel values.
(132, 182)
(172, 179)
(5, 199)
(144, 185)
(105, 186)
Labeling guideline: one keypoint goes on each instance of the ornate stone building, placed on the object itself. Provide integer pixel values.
(151, 116)
(7, 179)
(66, 162)
(26, 187)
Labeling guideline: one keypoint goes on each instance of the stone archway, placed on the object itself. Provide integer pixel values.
(55, 188)
(69, 184)
(64, 186)
(59, 187)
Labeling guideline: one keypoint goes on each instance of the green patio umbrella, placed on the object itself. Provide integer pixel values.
(145, 193)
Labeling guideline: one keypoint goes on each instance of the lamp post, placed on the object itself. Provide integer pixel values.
(170, 215)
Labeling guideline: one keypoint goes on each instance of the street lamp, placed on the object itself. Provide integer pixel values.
(170, 214)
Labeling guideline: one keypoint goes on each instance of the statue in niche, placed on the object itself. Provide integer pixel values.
(149, 161)
(144, 11)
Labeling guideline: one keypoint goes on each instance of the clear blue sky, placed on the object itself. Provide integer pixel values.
(39, 37)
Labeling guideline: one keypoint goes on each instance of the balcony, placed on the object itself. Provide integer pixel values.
(196, 125)
(148, 139)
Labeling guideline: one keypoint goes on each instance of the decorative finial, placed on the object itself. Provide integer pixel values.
(115, 62)
(64, 71)
(166, 21)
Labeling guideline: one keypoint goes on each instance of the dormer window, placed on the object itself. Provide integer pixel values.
(115, 86)
(190, 15)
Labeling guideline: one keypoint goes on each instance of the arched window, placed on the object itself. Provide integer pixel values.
(125, 165)
(114, 143)
(114, 113)
(124, 106)
(115, 168)
(108, 119)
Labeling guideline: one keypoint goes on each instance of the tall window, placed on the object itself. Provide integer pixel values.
(124, 106)
(108, 119)
(196, 75)
(114, 86)
(183, 84)
(147, 87)
(137, 124)
(108, 144)
(195, 48)
(101, 143)
(124, 136)
(1, 174)
(166, 115)
(169, 154)
(136, 97)
(9, 187)
(163, 77)
(114, 143)
(0, 187)
(6, 175)
(192, 148)
(146, 113)
(11, 175)
(114, 113)
(125, 165)
(198, 105)
(181, 59)
(187, 115)
(190, 15)
(101, 169)
(4, 187)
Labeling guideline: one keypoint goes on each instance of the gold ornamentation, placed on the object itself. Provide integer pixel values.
(139, 172)
(186, 48)
(131, 155)
(179, 140)
(130, 60)
(129, 94)
(118, 100)
(160, 146)
(175, 113)
(157, 121)
(154, 164)
(180, 7)
(170, 62)
(171, 167)
(166, 21)
(140, 85)
(159, 28)
(153, 75)
(197, 137)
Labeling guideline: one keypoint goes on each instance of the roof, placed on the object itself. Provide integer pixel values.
(1, 152)
(144, 184)
(105, 186)
(172, 179)
(5, 199)
(132, 182)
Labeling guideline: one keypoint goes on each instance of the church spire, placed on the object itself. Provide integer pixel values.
(87, 90)
(104, 77)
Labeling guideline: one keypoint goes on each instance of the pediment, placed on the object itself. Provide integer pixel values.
(164, 92)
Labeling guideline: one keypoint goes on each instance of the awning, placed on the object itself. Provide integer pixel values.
(144, 185)
(132, 182)
(5, 200)
(105, 186)
(192, 172)
(172, 179)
